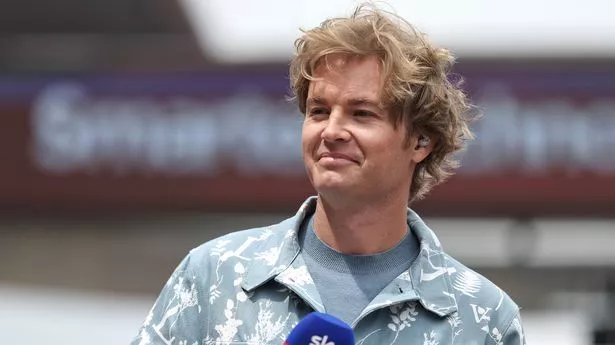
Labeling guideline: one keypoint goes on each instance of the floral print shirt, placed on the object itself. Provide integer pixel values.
(252, 287)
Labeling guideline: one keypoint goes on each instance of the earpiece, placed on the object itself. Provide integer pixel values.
(423, 141)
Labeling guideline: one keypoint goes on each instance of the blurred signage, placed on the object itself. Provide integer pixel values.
(74, 131)
(228, 140)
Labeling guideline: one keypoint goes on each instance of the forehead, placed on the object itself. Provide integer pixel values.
(341, 75)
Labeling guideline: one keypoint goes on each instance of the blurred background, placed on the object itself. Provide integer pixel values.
(132, 131)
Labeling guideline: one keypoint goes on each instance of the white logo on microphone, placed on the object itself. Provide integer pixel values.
(316, 340)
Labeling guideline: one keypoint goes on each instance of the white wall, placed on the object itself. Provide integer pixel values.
(248, 31)
(34, 316)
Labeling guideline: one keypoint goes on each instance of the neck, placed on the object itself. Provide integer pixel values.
(361, 229)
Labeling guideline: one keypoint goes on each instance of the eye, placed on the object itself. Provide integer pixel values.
(363, 113)
(317, 111)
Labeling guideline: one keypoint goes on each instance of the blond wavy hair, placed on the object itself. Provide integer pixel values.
(416, 86)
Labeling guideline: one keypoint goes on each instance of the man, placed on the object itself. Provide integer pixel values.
(381, 124)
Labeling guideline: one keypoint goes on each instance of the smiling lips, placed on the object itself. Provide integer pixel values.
(336, 157)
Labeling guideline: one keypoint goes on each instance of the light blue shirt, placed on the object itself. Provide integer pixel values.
(252, 287)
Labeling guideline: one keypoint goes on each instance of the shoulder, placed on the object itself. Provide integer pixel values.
(471, 286)
(244, 243)
(481, 303)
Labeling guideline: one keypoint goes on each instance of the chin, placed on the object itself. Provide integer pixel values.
(332, 185)
(331, 181)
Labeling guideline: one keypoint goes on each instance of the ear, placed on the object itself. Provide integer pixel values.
(422, 147)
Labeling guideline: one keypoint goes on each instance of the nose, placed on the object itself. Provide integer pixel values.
(335, 129)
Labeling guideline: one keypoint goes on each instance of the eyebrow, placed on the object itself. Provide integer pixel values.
(353, 102)
(363, 102)
(315, 101)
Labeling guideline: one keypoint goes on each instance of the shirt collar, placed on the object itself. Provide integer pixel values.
(428, 278)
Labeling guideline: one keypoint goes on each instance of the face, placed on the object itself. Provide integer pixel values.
(350, 147)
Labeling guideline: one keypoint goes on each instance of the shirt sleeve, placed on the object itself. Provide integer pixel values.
(514, 334)
(175, 316)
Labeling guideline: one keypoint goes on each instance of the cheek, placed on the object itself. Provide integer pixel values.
(391, 154)
(309, 138)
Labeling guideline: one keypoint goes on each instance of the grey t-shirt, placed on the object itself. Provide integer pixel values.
(347, 283)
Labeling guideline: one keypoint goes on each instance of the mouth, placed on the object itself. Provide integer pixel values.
(334, 156)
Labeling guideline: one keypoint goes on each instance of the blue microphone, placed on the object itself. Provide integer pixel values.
(320, 329)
